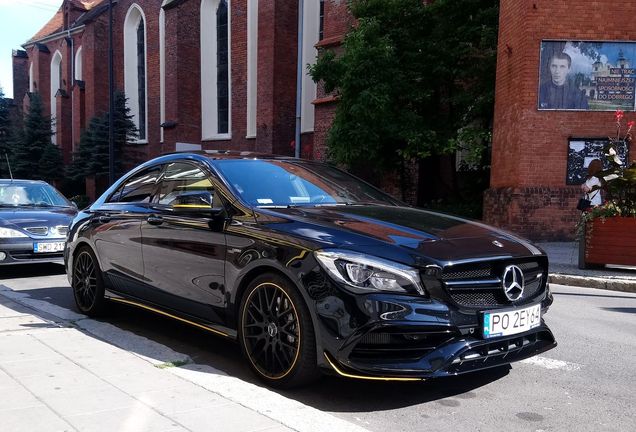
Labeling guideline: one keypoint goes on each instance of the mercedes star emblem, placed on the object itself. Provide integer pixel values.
(513, 282)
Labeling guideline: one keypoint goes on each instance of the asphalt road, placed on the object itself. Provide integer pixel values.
(588, 383)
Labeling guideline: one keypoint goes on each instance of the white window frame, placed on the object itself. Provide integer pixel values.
(311, 33)
(208, 48)
(31, 81)
(131, 79)
(56, 84)
(252, 67)
(77, 71)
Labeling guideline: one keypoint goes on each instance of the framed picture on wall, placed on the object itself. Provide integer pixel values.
(582, 151)
(587, 75)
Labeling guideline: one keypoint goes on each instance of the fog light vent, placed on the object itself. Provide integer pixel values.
(2, 256)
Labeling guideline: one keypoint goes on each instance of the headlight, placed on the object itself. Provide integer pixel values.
(368, 273)
(11, 233)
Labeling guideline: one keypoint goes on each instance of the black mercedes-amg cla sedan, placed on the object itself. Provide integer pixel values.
(310, 269)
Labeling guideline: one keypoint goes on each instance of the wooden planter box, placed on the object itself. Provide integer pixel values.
(610, 241)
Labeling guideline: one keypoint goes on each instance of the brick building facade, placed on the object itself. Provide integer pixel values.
(528, 192)
(261, 74)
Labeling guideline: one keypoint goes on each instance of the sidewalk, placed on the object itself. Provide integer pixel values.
(66, 372)
(564, 270)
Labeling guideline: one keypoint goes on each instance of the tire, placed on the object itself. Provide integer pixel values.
(88, 283)
(276, 333)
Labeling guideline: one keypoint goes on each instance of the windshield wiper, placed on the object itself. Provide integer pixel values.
(42, 204)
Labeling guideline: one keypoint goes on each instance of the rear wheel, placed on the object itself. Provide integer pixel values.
(276, 333)
(88, 283)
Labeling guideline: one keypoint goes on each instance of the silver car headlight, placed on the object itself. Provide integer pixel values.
(367, 273)
(11, 233)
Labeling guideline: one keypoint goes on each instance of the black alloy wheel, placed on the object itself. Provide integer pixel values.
(276, 333)
(88, 286)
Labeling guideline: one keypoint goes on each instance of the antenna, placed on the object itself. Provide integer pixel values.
(9, 165)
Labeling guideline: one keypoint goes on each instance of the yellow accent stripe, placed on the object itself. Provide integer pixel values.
(301, 256)
(143, 306)
(370, 378)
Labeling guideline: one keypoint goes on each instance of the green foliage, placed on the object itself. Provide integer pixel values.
(414, 80)
(34, 156)
(51, 163)
(92, 156)
(618, 181)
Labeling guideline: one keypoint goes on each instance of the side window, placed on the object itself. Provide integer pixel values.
(185, 185)
(139, 188)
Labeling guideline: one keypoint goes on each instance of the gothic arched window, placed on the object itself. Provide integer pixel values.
(135, 68)
(215, 69)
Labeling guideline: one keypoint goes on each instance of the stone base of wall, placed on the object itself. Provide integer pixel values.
(537, 213)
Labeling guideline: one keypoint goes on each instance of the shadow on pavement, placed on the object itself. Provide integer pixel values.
(593, 295)
(30, 270)
(330, 393)
(621, 309)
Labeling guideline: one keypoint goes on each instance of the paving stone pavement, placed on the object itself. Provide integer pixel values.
(564, 270)
(73, 375)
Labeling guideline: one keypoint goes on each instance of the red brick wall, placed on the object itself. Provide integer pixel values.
(528, 194)
(20, 74)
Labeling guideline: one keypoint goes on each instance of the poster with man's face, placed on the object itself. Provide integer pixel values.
(587, 76)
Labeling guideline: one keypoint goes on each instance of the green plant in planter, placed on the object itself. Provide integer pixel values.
(619, 180)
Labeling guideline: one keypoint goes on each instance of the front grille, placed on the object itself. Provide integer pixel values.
(479, 285)
(398, 344)
(62, 230)
(41, 231)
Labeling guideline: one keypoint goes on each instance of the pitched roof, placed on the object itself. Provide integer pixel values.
(56, 23)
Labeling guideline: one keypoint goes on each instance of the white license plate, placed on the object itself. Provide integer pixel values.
(48, 247)
(511, 322)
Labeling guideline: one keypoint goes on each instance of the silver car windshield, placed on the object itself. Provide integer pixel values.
(31, 195)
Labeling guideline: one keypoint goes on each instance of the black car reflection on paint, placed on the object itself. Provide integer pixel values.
(308, 268)
(34, 220)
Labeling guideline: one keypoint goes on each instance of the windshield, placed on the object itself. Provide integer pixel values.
(31, 194)
(274, 183)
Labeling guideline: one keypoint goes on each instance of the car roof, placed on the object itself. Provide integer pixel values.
(232, 154)
(22, 181)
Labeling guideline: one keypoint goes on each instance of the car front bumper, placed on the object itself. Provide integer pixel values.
(392, 336)
(20, 251)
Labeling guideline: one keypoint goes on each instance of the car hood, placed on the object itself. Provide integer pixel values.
(24, 218)
(419, 233)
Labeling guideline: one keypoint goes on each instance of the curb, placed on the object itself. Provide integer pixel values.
(623, 285)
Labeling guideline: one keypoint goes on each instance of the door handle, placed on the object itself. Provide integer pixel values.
(103, 219)
(155, 220)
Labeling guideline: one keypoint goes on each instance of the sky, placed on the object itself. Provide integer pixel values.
(19, 21)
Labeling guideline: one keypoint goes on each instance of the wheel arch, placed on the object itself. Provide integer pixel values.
(255, 272)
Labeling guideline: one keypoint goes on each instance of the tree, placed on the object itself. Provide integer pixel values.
(414, 80)
(34, 156)
(92, 156)
(5, 128)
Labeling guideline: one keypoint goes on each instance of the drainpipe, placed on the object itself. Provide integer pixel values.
(71, 83)
(299, 77)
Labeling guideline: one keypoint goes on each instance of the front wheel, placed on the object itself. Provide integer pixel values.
(88, 283)
(276, 333)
